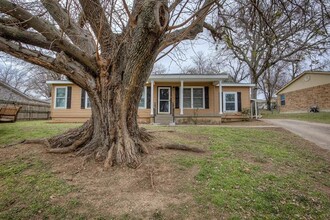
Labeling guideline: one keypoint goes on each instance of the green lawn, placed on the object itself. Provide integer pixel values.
(248, 173)
(27, 188)
(261, 174)
(321, 117)
(21, 130)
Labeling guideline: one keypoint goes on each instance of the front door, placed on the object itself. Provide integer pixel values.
(164, 101)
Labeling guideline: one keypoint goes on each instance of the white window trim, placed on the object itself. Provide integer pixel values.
(192, 96)
(224, 102)
(66, 97)
(145, 99)
(86, 97)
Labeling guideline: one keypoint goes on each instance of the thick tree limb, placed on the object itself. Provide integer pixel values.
(48, 31)
(78, 35)
(31, 38)
(70, 69)
(96, 17)
(13, 22)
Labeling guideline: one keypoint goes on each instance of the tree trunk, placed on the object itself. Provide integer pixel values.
(269, 104)
(112, 134)
(254, 80)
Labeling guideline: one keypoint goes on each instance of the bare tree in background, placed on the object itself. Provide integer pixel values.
(264, 33)
(235, 68)
(202, 64)
(37, 82)
(108, 48)
(27, 78)
(272, 80)
(14, 76)
(158, 69)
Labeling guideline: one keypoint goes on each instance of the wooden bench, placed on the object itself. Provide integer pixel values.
(9, 114)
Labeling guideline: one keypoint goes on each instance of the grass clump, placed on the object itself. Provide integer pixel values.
(22, 130)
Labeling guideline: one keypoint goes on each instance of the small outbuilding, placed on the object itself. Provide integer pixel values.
(309, 91)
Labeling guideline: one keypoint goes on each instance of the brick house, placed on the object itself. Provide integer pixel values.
(310, 89)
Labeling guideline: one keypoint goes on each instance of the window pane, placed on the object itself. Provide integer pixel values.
(142, 100)
(88, 103)
(282, 99)
(198, 92)
(230, 102)
(198, 97)
(198, 102)
(164, 106)
(230, 106)
(187, 98)
(164, 94)
(230, 97)
(60, 102)
(60, 92)
(141, 103)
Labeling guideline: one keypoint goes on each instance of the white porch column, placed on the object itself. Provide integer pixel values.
(152, 98)
(181, 98)
(220, 97)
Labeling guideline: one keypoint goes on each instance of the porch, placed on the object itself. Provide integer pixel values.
(191, 99)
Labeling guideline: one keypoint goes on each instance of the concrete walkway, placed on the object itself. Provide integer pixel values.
(317, 133)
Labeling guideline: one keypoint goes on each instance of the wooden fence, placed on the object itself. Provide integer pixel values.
(30, 110)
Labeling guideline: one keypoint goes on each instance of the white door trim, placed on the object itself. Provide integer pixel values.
(169, 100)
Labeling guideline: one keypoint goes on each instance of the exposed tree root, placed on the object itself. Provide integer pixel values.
(70, 137)
(181, 147)
(145, 136)
(33, 141)
(169, 131)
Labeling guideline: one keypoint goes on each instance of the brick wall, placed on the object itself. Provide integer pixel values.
(302, 100)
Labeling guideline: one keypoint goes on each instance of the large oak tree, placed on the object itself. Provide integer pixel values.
(108, 48)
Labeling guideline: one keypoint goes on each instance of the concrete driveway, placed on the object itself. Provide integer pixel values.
(314, 132)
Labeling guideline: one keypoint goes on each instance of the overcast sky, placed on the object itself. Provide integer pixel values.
(188, 49)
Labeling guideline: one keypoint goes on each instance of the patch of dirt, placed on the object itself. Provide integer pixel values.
(156, 186)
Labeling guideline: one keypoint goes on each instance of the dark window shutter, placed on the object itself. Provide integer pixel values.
(207, 105)
(177, 97)
(83, 97)
(239, 102)
(68, 97)
(148, 97)
(223, 107)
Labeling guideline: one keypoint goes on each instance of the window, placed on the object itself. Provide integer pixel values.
(282, 99)
(142, 103)
(230, 101)
(60, 97)
(87, 101)
(193, 97)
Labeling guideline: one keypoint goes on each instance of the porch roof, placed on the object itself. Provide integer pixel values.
(168, 78)
(186, 77)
